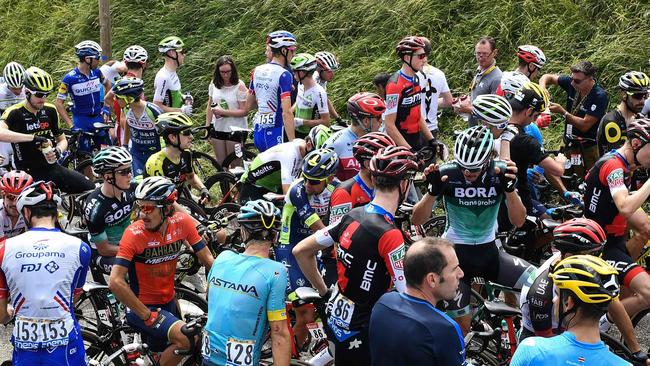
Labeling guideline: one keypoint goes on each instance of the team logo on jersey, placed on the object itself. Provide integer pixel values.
(51, 267)
(397, 257)
(40, 245)
(391, 101)
(337, 212)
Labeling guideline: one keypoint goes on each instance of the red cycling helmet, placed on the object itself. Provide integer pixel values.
(15, 181)
(532, 55)
(392, 164)
(640, 129)
(365, 104)
(408, 45)
(578, 236)
(369, 144)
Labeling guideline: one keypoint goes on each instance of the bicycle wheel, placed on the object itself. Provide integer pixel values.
(247, 155)
(481, 359)
(641, 323)
(194, 209)
(96, 350)
(618, 348)
(234, 234)
(223, 187)
(434, 226)
(190, 302)
(204, 165)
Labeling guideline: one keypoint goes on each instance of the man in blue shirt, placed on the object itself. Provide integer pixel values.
(432, 274)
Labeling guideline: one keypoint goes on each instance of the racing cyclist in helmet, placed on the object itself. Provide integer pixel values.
(473, 186)
(174, 161)
(148, 252)
(167, 86)
(587, 286)
(270, 93)
(260, 225)
(310, 108)
(12, 184)
(327, 66)
(140, 121)
(494, 112)
(306, 210)
(12, 92)
(365, 111)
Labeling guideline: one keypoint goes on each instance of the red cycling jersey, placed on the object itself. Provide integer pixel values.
(151, 258)
(403, 96)
(348, 195)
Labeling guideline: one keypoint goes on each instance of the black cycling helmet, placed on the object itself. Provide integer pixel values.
(260, 219)
(128, 87)
(320, 163)
(579, 236)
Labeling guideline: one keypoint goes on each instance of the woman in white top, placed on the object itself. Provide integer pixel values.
(226, 107)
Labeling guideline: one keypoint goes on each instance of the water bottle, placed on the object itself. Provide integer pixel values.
(46, 149)
(113, 304)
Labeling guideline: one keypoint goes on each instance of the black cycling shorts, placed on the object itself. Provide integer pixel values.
(67, 180)
(354, 351)
(616, 254)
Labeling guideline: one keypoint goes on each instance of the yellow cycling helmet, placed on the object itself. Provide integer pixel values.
(173, 122)
(531, 95)
(590, 278)
(38, 80)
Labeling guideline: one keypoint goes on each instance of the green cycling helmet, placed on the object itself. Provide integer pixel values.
(303, 62)
(318, 135)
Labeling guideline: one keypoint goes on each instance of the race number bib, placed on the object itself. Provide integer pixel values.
(205, 346)
(239, 353)
(264, 120)
(576, 159)
(316, 331)
(37, 333)
(342, 310)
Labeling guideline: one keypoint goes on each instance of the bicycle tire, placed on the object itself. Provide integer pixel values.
(222, 182)
(204, 165)
(194, 209)
(198, 301)
(247, 155)
(618, 348)
(481, 359)
(95, 350)
(434, 226)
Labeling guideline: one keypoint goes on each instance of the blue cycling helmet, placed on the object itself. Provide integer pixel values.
(320, 163)
(260, 218)
(88, 49)
(280, 39)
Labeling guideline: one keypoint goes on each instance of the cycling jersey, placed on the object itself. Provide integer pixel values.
(107, 217)
(526, 151)
(341, 142)
(40, 271)
(9, 230)
(564, 349)
(300, 211)
(245, 293)
(348, 195)
(151, 257)
(432, 82)
(612, 131)
(167, 88)
(144, 139)
(8, 98)
(594, 104)
(433, 337)
(538, 313)
(270, 84)
(310, 104)
(159, 164)
(86, 93)
(403, 98)
(275, 167)
(110, 72)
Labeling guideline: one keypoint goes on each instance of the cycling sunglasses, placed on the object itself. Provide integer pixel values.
(147, 209)
(420, 56)
(11, 197)
(125, 98)
(313, 182)
(186, 132)
(638, 96)
(124, 172)
(38, 94)
(473, 170)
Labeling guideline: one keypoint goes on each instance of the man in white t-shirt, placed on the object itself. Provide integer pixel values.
(435, 91)
(167, 86)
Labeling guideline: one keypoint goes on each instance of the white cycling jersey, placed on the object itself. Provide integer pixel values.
(433, 82)
(39, 272)
(9, 230)
(8, 98)
(167, 88)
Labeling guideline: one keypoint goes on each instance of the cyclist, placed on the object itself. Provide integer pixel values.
(41, 272)
(86, 87)
(12, 92)
(113, 70)
(608, 202)
(370, 255)
(167, 86)
(140, 127)
(473, 187)
(107, 210)
(327, 66)
(403, 118)
(305, 211)
(493, 112)
(270, 93)
(39, 118)
(174, 161)
(260, 298)
(587, 286)
(12, 184)
(432, 274)
(586, 105)
(634, 87)
(358, 190)
(275, 169)
(531, 60)
(538, 311)
(148, 252)
(365, 111)
(310, 108)
(433, 84)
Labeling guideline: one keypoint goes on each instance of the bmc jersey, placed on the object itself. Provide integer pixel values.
(348, 195)
(564, 349)
(270, 83)
(274, 167)
(403, 95)
(107, 217)
(8, 98)
(167, 88)
(86, 92)
(9, 230)
(341, 142)
(370, 254)
(538, 313)
(612, 132)
(159, 164)
(40, 271)
(310, 104)
(151, 258)
(44, 123)
(245, 293)
(472, 208)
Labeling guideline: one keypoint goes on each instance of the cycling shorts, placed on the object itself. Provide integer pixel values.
(139, 160)
(294, 274)
(266, 138)
(616, 254)
(490, 263)
(354, 351)
(71, 354)
(156, 337)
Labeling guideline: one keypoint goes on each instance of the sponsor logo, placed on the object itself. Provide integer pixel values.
(52, 267)
(119, 214)
(537, 302)
(344, 256)
(593, 202)
(20, 255)
(89, 87)
(368, 275)
(337, 212)
(391, 101)
(40, 245)
(473, 192)
(397, 257)
(541, 316)
(249, 290)
(165, 251)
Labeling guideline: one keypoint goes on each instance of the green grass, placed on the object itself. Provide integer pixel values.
(610, 33)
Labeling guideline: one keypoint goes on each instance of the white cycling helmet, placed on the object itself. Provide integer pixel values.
(493, 109)
(280, 39)
(326, 61)
(88, 48)
(532, 55)
(110, 159)
(13, 74)
(135, 53)
(512, 81)
(157, 189)
(473, 147)
(38, 193)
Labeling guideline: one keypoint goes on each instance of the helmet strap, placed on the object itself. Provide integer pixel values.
(28, 97)
(285, 53)
(178, 144)
(530, 72)
(564, 313)
(410, 65)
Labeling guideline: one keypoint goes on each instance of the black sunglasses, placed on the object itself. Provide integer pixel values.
(639, 96)
(124, 172)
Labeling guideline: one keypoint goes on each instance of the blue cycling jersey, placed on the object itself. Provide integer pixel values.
(564, 349)
(86, 92)
(532, 130)
(245, 293)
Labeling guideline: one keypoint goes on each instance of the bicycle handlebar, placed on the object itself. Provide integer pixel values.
(190, 330)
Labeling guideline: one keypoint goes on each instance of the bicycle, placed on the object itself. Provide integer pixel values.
(78, 160)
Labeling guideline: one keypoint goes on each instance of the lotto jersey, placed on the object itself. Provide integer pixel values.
(167, 88)
(341, 142)
(86, 92)
(39, 272)
(270, 83)
(8, 98)
(151, 258)
(244, 294)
